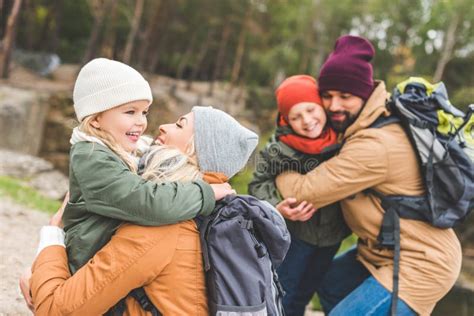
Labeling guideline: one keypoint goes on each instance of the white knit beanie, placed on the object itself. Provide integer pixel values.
(103, 84)
(222, 143)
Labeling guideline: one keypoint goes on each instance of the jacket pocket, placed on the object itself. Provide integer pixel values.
(228, 310)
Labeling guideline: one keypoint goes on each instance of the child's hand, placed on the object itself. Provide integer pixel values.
(25, 289)
(301, 212)
(56, 220)
(221, 190)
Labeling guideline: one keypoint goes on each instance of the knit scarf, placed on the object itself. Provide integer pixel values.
(303, 144)
(143, 143)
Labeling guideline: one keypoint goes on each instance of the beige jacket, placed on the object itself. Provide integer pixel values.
(383, 159)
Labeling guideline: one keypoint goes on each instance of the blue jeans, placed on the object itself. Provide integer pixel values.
(349, 289)
(301, 273)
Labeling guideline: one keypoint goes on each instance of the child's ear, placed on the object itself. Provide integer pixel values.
(95, 122)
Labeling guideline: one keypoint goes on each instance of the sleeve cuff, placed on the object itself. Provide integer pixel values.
(49, 236)
(208, 198)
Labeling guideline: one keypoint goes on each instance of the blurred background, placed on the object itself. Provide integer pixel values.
(230, 54)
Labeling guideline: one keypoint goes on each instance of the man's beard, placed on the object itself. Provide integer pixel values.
(341, 126)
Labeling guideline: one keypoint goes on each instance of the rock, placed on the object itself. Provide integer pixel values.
(40, 174)
(22, 116)
(52, 184)
(21, 165)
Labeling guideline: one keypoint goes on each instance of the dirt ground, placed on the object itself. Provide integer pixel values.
(19, 230)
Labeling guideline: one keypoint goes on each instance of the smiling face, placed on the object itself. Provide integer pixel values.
(342, 108)
(179, 134)
(307, 119)
(126, 123)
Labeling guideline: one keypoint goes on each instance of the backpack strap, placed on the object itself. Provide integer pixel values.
(118, 309)
(141, 297)
(382, 121)
(389, 238)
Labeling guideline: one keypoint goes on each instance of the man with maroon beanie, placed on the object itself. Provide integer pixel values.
(359, 281)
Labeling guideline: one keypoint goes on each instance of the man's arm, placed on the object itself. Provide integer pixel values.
(361, 164)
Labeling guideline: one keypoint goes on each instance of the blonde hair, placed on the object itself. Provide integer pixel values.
(108, 140)
(167, 164)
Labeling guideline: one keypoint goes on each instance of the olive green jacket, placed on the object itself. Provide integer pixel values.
(327, 226)
(104, 193)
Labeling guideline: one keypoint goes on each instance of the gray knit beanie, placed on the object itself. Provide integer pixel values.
(103, 84)
(222, 144)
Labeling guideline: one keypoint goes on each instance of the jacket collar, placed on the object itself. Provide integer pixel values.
(371, 110)
(215, 177)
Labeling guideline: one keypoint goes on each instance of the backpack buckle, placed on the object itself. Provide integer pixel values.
(246, 224)
(145, 304)
(386, 240)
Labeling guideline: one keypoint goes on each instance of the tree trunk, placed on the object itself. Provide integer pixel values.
(158, 39)
(240, 49)
(151, 30)
(156, 52)
(187, 54)
(96, 29)
(29, 23)
(8, 39)
(42, 42)
(137, 17)
(220, 56)
(200, 57)
(448, 48)
(58, 19)
(110, 47)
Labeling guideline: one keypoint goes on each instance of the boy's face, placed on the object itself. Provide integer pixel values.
(342, 108)
(307, 119)
(178, 134)
(126, 123)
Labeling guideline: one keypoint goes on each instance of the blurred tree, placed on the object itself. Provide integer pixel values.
(8, 39)
(100, 8)
(137, 16)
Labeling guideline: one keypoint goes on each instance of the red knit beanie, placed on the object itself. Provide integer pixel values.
(294, 90)
(348, 68)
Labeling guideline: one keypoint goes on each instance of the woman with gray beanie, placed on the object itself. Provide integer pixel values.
(166, 261)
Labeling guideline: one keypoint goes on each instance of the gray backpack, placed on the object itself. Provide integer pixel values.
(243, 242)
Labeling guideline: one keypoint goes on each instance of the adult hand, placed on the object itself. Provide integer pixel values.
(300, 212)
(57, 219)
(25, 289)
(221, 190)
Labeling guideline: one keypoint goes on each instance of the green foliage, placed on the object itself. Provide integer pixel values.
(241, 180)
(278, 37)
(463, 97)
(27, 196)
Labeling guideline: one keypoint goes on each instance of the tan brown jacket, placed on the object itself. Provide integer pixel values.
(165, 260)
(383, 159)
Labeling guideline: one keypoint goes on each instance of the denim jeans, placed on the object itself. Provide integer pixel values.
(301, 273)
(349, 289)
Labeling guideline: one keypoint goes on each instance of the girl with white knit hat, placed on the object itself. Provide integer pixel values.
(165, 260)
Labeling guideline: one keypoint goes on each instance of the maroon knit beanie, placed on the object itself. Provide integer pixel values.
(348, 68)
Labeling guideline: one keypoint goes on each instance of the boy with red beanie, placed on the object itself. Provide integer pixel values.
(302, 141)
(360, 281)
